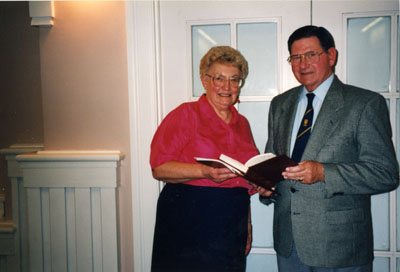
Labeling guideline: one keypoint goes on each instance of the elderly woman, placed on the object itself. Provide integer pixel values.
(203, 214)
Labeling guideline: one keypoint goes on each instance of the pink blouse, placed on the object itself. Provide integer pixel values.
(194, 129)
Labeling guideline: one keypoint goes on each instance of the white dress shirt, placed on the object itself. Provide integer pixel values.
(320, 93)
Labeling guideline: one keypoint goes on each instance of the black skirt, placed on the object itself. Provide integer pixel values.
(201, 229)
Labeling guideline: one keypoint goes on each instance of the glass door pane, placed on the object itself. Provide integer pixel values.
(397, 127)
(381, 264)
(258, 43)
(368, 52)
(203, 38)
(380, 221)
(398, 56)
(262, 216)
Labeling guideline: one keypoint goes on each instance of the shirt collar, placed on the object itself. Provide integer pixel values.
(208, 111)
(321, 91)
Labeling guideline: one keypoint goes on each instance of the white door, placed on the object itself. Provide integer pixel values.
(184, 30)
(260, 31)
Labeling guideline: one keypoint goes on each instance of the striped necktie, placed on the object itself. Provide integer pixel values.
(304, 131)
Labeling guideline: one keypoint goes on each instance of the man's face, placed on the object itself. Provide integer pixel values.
(311, 75)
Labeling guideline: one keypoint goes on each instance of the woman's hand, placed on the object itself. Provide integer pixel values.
(218, 174)
(177, 172)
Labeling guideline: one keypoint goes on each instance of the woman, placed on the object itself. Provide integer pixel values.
(203, 214)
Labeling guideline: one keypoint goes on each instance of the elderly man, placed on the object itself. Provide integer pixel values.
(340, 135)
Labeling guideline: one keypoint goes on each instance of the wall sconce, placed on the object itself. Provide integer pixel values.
(42, 13)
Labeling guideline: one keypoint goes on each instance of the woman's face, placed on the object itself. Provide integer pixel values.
(221, 91)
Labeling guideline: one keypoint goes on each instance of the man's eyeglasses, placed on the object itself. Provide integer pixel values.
(219, 81)
(309, 57)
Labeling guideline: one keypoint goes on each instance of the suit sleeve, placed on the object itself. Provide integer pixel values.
(376, 170)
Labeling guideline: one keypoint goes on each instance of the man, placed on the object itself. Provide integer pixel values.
(322, 217)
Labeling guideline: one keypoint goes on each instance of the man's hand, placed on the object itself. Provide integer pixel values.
(307, 172)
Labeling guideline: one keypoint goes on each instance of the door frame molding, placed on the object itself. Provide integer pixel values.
(144, 114)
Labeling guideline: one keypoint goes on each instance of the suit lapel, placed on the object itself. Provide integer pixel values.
(327, 120)
(286, 117)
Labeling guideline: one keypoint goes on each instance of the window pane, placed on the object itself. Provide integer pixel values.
(380, 221)
(397, 125)
(203, 38)
(368, 53)
(398, 217)
(397, 143)
(398, 55)
(257, 114)
(398, 264)
(258, 43)
(261, 262)
(262, 217)
(381, 264)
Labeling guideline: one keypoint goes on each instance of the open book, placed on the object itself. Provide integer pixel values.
(264, 170)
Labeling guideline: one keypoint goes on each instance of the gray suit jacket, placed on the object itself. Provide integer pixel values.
(330, 222)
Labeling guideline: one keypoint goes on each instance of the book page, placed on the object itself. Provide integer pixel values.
(234, 163)
(259, 158)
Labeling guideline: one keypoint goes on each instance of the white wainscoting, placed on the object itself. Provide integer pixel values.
(71, 207)
(14, 255)
(8, 260)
